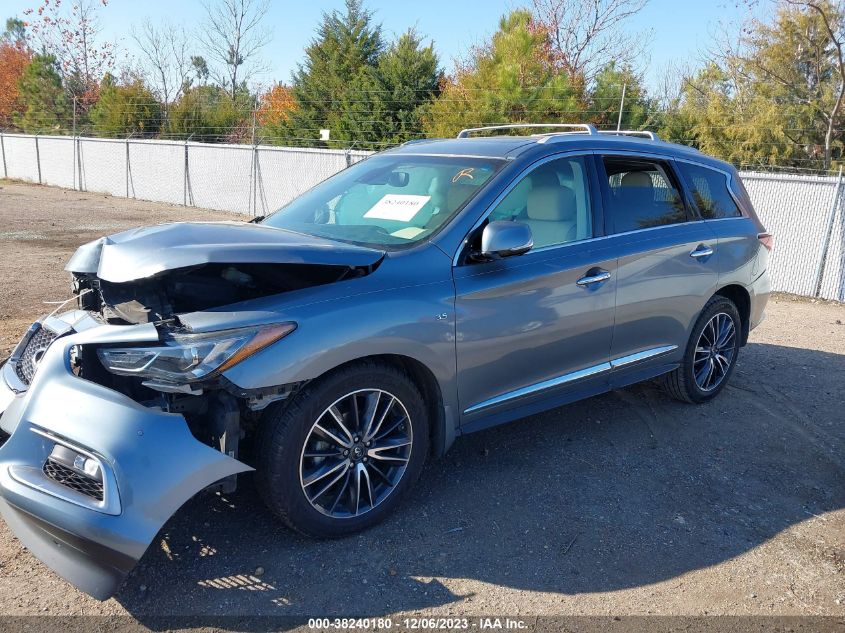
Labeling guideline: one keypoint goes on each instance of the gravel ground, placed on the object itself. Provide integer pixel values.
(628, 503)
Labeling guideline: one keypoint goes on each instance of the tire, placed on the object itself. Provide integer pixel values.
(296, 460)
(684, 383)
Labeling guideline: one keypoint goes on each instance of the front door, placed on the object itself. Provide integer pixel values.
(530, 327)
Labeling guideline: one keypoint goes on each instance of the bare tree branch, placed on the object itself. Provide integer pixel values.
(836, 32)
(167, 62)
(233, 38)
(589, 34)
(71, 34)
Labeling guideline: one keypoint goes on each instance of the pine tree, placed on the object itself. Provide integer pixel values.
(606, 96)
(123, 110)
(386, 103)
(346, 44)
(45, 105)
(512, 79)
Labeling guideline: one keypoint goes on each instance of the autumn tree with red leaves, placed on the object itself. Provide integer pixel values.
(275, 108)
(69, 32)
(14, 58)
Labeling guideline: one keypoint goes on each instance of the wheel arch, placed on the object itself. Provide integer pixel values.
(742, 300)
(442, 428)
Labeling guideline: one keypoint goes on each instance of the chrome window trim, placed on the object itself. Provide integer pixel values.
(600, 238)
(728, 183)
(602, 152)
(668, 157)
(580, 374)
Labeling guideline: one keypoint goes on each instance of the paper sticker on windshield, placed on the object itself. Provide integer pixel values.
(400, 207)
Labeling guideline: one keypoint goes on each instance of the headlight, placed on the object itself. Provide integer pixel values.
(189, 357)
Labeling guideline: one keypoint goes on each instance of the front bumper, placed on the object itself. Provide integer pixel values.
(151, 465)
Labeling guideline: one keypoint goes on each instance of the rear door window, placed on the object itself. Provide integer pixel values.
(709, 189)
(641, 194)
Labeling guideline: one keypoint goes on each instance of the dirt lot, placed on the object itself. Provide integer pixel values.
(629, 503)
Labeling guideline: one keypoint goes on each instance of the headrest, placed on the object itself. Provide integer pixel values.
(544, 178)
(551, 204)
(564, 171)
(457, 195)
(637, 179)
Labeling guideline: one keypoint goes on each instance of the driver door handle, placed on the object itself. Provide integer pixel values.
(596, 278)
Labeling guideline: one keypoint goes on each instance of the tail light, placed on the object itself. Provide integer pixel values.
(767, 240)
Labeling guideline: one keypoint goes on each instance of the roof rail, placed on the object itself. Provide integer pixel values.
(644, 133)
(584, 128)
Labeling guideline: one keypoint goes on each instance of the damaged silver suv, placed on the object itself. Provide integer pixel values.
(429, 291)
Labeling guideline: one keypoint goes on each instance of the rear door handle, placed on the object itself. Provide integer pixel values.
(597, 277)
(701, 251)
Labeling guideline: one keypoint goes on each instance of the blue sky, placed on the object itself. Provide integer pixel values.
(681, 28)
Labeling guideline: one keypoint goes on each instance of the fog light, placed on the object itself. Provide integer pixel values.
(77, 461)
(87, 465)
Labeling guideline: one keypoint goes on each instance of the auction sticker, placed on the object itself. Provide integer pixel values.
(400, 207)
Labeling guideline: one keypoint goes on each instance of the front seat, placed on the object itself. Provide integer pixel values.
(550, 211)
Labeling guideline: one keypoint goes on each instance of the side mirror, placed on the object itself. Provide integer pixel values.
(505, 239)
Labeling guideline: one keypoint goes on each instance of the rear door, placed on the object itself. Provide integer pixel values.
(667, 259)
(736, 234)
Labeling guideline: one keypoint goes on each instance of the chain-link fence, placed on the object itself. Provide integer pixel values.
(806, 213)
(248, 179)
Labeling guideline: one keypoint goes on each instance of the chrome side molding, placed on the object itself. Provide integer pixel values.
(601, 368)
(640, 356)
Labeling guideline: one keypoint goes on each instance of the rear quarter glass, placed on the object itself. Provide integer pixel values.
(738, 189)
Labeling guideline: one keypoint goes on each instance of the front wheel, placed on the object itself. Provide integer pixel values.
(340, 456)
(711, 354)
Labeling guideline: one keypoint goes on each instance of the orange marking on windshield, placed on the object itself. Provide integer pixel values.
(464, 173)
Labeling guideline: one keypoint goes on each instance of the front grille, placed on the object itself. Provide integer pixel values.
(74, 480)
(27, 364)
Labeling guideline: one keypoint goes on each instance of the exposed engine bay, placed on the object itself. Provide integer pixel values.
(151, 277)
(196, 288)
(218, 413)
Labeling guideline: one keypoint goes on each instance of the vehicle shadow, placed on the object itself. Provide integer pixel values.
(623, 490)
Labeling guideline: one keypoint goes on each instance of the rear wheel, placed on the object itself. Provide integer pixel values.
(711, 354)
(340, 456)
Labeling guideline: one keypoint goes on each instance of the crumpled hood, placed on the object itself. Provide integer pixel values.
(146, 252)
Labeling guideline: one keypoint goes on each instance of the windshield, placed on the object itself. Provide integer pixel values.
(387, 201)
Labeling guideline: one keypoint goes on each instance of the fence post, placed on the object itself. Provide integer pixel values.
(127, 164)
(38, 159)
(75, 151)
(252, 205)
(186, 175)
(3, 150)
(78, 161)
(828, 235)
(254, 181)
